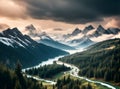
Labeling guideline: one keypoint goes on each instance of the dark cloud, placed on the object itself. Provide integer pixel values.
(72, 11)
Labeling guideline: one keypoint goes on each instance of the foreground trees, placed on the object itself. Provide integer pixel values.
(10, 79)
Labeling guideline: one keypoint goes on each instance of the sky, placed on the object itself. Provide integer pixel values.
(59, 15)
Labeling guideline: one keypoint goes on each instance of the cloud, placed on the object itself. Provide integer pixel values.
(10, 9)
(71, 11)
(3, 26)
(114, 22)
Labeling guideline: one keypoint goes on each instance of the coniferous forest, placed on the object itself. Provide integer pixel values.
(14, 79)
(47, 71)
(101, 60)
(69, 83)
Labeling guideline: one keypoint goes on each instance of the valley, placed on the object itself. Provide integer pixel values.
(47, 61)
(59, 44)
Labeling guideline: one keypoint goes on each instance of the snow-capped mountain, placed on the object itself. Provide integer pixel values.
(30, 27)
(44, 38)
(16, 46)
(101, 31)
(81, 43)
(85, 43)
(87, 29)
(56, 44)
(74, 33)
(47, 40)
(92, 34)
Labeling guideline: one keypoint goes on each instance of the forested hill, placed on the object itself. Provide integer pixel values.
(101, 60)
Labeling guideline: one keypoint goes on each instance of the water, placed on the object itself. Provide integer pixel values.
(73, 72)
(51, 60)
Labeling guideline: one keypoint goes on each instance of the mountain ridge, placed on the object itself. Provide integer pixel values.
(16, 46)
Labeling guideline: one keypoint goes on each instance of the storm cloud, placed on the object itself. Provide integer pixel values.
(72, 11)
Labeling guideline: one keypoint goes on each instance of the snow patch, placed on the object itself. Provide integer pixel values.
(6, 41)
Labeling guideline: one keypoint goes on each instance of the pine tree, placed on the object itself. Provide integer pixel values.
(18, 69)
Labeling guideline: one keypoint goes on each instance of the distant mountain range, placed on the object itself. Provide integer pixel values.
(101, 30)
(83, 38)
(76, 39)
(44, 38)
(15, 46)
(82, 42)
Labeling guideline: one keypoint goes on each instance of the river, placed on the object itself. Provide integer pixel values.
(74, 70)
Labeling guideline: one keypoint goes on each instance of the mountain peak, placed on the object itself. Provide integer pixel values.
(76, 32)
(30, 27)
(44, 35)
(12, 31)
(88, 28)
(100, 28)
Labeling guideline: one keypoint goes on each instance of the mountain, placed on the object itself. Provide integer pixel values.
(91, 32)
(74, 33)
(44, 38)
(101, 31)
(82, 42)
(16, 46)
(87, 29)
(47, 40)
(101, 60)
(85, 42)
(113, 31)
(30, 27)
(56, 44)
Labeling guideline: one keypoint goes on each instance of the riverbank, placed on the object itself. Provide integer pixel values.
(73, 72)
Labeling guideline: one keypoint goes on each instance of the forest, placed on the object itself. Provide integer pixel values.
(70, 83)
(47, 71)
(14, 79)
(101, 60)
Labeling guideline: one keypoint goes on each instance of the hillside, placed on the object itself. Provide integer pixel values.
(101, 60)
(56, 44)
(16, 46)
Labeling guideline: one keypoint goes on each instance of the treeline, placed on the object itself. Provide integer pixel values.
(47, 71)
(101, 60)
(10, 79)
(69, 83)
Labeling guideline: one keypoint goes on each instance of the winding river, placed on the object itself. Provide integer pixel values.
(73, 72)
